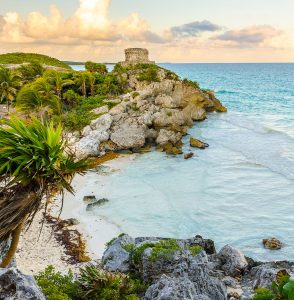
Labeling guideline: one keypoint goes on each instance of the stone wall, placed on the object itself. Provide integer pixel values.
(136, 56)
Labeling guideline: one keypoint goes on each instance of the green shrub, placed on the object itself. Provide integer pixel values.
(189, 82)
(129, 247)
(118, 68)
(20, 58)
(195, 250)
(135, 94)
(95, 67)
(164, 249)
(149, 75)
(134, 107)
(169, 113)
(263, 294)
(95, 283)
(56, 286)
(137, 254)
(81, 115)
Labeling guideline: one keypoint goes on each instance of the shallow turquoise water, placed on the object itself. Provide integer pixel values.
(239, 190)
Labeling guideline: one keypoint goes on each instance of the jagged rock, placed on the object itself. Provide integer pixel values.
(167, 101)
(172, 117)
(234, 261)
(72, 222)
(188, 155)
(129, 136)
(171, 149)
(103, 123)
(89, 199)
(87, 130)
(167, 136)
(100, 110)
(118, 109)
(89, 145)
(96, 203)
(197, 143)
(272, 244)
(172, 288)
(196, 112)
(216, 103)
(115, 257)
(16, 286)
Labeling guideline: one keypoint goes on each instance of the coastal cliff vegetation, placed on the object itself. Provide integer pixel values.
(17, 58)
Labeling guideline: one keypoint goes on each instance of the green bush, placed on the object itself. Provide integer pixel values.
(137, 254)
(129, 247)
(164, 249)
(191, 83)
(81, 115)
(149, 74)
(263, 294)
(56, 286)
(195, 250)
(95, 67)
(95, 283)
(20, 58)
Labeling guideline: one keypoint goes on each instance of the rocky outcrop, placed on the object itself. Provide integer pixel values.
(14, 286)
(128, 136)
(190, 269)
(176, 269)
(234, 261)
(154, 113)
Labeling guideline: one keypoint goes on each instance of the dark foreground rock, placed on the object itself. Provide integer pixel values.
(15, 286)
(188, 269)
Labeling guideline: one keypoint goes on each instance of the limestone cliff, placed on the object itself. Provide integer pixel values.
(158, 111)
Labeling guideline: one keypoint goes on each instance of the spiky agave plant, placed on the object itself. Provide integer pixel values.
(33, 163)
(96, 283)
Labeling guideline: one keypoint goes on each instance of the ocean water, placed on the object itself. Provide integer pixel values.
(239, 190)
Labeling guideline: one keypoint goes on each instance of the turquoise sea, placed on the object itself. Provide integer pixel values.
(238, 191)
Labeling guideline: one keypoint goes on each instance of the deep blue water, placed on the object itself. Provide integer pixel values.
(238, 191)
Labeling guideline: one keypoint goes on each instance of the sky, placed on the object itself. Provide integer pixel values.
(173, 31)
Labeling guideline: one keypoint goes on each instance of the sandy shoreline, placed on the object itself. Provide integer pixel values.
(35, 253)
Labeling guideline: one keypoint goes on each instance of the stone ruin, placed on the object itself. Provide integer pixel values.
(136, 56)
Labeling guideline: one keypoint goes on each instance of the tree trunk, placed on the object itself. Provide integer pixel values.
(8, 257)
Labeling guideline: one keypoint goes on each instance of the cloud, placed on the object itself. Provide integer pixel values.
(250, 36)
(90, 22)
(194, 29)
(2, 23)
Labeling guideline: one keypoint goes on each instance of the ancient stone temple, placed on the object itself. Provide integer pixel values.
(136, 56)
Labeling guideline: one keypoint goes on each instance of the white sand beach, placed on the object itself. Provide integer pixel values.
(37, 251)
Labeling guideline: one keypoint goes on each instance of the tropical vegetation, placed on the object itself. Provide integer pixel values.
(91, 283)
(66, 96)
(20, 58)
(34, 163)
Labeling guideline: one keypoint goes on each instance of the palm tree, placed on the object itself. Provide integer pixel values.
(82, 79)
(92, 83)
(9, 84)
(31, 71)
(57, 80)
(33, 163)
(38, 95)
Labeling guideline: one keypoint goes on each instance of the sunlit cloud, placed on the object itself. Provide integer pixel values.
(194, 29)
(90, 33)
(250, 36)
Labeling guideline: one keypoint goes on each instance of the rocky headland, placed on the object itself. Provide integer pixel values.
(157, 111)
